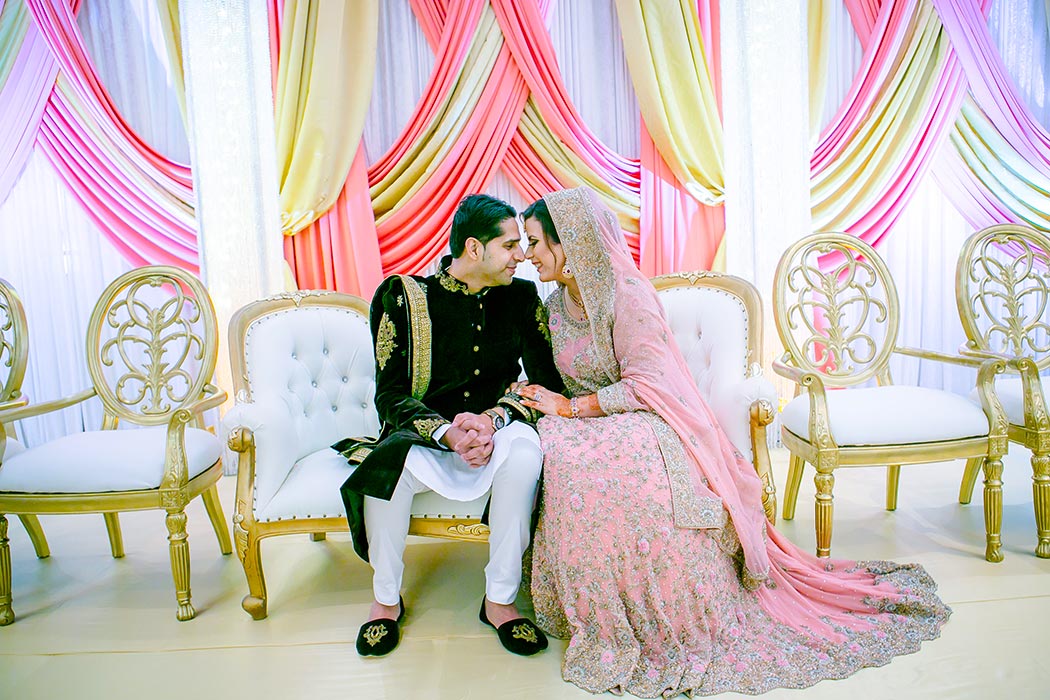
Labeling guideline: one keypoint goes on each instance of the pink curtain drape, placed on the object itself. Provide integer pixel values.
(140, 200)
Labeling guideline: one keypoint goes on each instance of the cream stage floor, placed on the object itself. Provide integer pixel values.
(90, 626)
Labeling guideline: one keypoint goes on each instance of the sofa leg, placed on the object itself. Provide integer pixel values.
(893, 480)
(248, 547)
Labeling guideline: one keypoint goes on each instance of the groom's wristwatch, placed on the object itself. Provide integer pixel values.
(497, 420)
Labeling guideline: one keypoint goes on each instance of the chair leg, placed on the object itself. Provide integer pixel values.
(794, 480)
(116, 539)
(36, 535)
(893, 477)
(825, 508)
(318, 536)
(993, 508)
(1041, 494)
(218, 522)
(969, 479)
(7, 615)
(248, 548)
(179, 548)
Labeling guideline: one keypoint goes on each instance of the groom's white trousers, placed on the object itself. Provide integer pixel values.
(513, 475)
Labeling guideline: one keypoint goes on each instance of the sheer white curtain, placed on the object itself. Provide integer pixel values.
(51, 251)
(922, 250)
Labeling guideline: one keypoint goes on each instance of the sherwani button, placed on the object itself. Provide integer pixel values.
(477, 372)
(466, 394)
(476, 348)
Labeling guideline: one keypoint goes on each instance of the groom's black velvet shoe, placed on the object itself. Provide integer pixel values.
(519, 636)
(380, 637)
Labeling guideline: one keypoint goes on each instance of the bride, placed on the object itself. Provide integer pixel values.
(653, 555)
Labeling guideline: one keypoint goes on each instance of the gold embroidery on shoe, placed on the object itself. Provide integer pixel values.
(427, 426)
(524, 632)
(385, 343)
(374, 633)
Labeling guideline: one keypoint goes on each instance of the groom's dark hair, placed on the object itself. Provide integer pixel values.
(478, 216)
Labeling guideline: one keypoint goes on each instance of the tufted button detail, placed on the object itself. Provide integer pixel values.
(313, 384)
(334, 409)
(364, 404)
(346, 379)
(294, 356)
(325, 351)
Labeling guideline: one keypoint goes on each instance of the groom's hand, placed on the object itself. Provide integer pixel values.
(476, 447)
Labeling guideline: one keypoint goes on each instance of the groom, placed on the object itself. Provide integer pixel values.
(447, 349)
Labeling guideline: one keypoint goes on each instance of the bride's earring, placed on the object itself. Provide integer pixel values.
(566, 271)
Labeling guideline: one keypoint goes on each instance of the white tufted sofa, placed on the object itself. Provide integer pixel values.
(304, 378)
(716, 320)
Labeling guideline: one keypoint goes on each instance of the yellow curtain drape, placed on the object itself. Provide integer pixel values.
(168, 10)
(665, 57)
(324, 81)
(819, 28)
(1021, 188)
(868, 162)
(439, 137)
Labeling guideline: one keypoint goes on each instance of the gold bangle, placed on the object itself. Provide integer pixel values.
(574, 407)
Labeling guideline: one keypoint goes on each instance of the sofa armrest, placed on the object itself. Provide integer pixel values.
(275, 443)
(731, 403)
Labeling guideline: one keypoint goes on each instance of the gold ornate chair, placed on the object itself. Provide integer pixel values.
(151, 347)
(304, 378)
(1002, 290)
(717, 323)
(14, 354)
(837, 314)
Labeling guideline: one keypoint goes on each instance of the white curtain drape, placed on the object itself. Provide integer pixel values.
(52, 252)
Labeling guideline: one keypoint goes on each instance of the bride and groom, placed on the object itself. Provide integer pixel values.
(652, 554)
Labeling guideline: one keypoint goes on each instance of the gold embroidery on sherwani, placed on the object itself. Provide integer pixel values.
(418, 336)
(427, 426)
(385, 343)
(451, 283)
(375, 633)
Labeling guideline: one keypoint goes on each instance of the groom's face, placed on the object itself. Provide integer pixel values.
(500, 256)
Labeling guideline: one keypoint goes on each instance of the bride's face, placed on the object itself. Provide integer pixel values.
(547, 257)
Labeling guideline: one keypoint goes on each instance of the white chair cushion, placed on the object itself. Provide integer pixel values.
(312, 490)
(1011, 395)
(104, 460)
(891, 415)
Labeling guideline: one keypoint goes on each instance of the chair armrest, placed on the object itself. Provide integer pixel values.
(1035, 409)
(14, 402)
(38, 409)
(213, 396)
(970, 359)
(263, 434)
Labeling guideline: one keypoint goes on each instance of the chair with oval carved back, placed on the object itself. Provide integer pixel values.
(837, 314)
(151, 350)
(14, 355)
(1002, 290)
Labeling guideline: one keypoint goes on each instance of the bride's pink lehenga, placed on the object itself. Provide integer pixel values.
(653, 555)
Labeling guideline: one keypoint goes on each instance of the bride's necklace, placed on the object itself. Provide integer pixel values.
(576, 302)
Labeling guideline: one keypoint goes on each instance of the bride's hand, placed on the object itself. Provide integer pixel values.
(544, 400)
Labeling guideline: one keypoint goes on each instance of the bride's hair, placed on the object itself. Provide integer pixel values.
(538, 210)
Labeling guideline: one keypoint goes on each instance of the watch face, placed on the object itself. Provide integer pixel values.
(497, 421)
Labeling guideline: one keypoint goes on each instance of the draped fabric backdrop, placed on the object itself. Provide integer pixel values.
(927, 121)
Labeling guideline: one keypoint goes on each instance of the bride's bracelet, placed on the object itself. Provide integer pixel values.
(574, 407)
